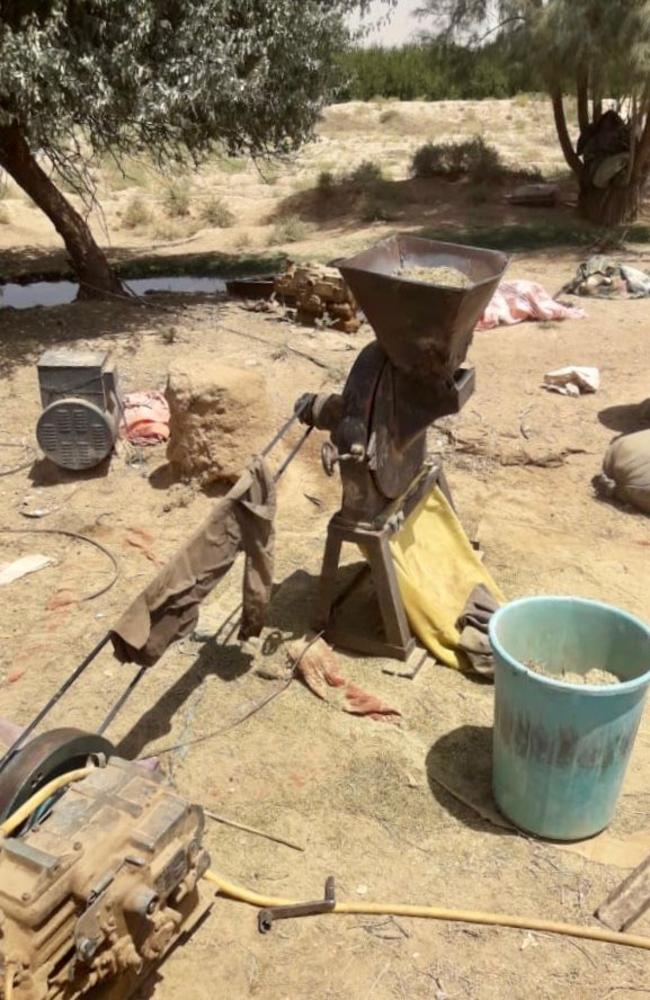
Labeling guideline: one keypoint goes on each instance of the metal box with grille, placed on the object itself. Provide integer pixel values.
(80, 396)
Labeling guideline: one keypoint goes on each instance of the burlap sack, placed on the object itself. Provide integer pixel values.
(627, 463)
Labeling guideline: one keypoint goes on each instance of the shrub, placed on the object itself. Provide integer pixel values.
(373, 208)
(176, 198)
(136, 214)
(473, 158)
(326, 182)
(216, 213)
(289, 230)
(365, 175)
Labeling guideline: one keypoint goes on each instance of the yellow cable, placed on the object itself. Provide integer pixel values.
(43, 794)
(437, 913)
(243, 895)
(9, 981)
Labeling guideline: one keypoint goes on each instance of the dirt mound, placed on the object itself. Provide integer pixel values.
(220, 417)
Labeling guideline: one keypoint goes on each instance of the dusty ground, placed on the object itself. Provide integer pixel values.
(359, 795)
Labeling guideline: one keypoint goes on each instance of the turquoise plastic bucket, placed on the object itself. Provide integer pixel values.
(561, 750)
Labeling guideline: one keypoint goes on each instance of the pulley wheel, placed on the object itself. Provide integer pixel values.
(46, 757)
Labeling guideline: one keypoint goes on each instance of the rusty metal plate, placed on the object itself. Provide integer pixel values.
(395, 465)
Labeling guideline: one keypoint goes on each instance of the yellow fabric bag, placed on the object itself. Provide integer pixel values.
(437, 569)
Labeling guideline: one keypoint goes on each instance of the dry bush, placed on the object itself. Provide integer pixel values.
(176, 198)
(137, 213)
(169, 230)
(5, 218)
(216, 213)
(289, 230)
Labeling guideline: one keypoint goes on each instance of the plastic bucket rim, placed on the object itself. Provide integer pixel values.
(589, 690)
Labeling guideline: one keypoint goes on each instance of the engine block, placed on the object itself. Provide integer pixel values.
(102, 887)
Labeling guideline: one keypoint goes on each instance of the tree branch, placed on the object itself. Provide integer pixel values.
(570, 155)
(498, 27)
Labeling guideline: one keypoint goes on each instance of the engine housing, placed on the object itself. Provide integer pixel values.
(96, 894)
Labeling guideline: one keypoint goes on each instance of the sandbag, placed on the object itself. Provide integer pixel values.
(627, 464)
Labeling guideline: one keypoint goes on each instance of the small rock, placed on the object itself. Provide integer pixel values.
(362, 890)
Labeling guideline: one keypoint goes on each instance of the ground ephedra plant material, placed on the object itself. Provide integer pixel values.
(596, 677)
(449, 276)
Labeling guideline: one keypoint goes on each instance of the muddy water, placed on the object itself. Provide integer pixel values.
(57, 293)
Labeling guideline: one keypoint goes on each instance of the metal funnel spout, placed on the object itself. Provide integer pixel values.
(425, 329)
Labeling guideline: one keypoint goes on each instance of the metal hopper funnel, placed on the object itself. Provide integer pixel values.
(425, 329)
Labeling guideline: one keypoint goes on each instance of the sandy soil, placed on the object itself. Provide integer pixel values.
(274, 205)
(360, 796)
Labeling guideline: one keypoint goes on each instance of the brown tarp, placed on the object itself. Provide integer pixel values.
(169, 607)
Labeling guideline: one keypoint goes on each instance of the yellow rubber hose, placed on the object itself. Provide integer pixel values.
(43, 794)
(9, 981)
(242, 895)
(233, 891)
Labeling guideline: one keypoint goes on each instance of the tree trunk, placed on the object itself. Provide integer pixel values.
(611, 206)
(570, 155)
(95, 275)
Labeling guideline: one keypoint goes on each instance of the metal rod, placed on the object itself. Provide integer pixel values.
(292, 454)
(76, 673)
(283, 430)
(122, 699)
(252, 829)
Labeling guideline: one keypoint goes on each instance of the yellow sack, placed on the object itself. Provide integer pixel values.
(437, 569)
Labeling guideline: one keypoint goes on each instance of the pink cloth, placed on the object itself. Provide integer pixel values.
(516, 301)
(145, 419)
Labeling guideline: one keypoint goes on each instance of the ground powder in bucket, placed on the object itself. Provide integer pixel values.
(595, 677)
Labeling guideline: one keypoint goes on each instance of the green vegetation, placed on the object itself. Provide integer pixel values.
(473, 158)
(590, 49)
(173, 81)
(435, 71)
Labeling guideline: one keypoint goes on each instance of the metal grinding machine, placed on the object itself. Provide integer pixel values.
(412, 375)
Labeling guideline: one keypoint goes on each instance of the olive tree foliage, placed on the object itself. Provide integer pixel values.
(168, 78)
(596, 51)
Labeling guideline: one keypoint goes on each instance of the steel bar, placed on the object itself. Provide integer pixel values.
(76, 673)
(292, 454)
(122, 699)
